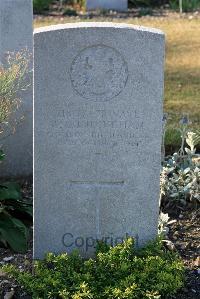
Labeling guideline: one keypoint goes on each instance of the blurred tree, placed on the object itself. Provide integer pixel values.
(156, 3)
(41, 5)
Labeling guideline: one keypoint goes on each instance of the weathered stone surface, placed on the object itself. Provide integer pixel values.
(98, 109)
(120, 5)
(16, 34)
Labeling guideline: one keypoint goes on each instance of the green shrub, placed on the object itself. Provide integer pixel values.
(117, 272)
(13, 230)
(146, 3)
(172, 139)
(180, 176)
(40, 6)
(70, 12)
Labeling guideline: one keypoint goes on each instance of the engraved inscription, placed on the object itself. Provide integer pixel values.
(99, 128)
(99, 73)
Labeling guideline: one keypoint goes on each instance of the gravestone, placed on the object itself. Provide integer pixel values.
(16, 34)
(98, 111)
(120, 5)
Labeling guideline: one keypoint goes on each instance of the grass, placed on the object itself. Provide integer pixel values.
(182, 69)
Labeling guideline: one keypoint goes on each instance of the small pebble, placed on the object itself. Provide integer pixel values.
(9, 295)
(172, 221)
(8, 258)
(183, 246)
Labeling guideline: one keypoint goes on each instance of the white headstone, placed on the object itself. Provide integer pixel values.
(16, 34)
(98, 111)
(120, 5)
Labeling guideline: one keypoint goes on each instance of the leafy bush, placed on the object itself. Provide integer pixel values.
(13, 230)
(117, 272)
(40, 6)
(70, 12)
(180, 176)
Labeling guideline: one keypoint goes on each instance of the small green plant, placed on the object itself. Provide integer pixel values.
(13, 230)
(119, 272)
(2, 155)
(180, 176)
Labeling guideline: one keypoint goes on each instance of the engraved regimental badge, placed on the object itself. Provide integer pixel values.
(99, 73)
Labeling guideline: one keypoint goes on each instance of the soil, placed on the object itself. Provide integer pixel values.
(184, 233)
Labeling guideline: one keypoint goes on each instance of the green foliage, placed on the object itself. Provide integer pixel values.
(40, 6)
(172, 139)
(145, 11)
(13, 231)
(70, 12)
(146, 3)
(119, 272)
(2, 155)
(187, 5)
(180, 176)
(180, 183)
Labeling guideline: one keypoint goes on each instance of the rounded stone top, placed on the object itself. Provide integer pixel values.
(86, 25)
